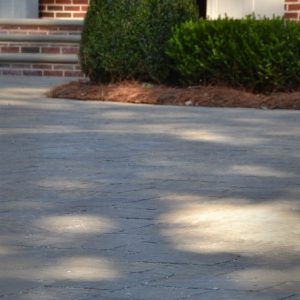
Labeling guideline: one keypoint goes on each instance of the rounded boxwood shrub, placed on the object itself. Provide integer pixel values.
(126, 39)
(260, 55)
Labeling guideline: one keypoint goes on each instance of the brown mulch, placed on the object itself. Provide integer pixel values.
(213, 96)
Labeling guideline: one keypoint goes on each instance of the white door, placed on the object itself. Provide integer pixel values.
(269, 8)
(19, 8)
(241, 8)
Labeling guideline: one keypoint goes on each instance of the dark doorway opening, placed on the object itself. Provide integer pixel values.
(202, 8)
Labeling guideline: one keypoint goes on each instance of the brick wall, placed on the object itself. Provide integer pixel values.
(63, 9)
(292, 9)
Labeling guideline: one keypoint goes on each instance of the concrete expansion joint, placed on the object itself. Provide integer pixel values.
(235, 259)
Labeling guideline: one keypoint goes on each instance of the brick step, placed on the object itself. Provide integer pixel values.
(40, 69)
(40, 47)
(42, 25)
(40, 65)
(46, 47)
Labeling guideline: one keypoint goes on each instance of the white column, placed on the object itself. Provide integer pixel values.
(212, 9)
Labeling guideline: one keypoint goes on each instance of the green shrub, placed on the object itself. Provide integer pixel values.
(260, 55)
(126, 39)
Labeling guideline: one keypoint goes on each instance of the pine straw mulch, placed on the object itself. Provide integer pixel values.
(212, 96)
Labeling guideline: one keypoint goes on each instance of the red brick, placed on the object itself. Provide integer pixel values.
(20, 66)
(32, 73)
(84, 7)
(63, 1)
(7, 27)
(10, 50)
(30, 50)
(53, 73)
(80, 2)
(291, 15)
(70, 28)
(71, 50)
(47, 15)
(55, 7)
(42, 66)
(63, 15)
(78, 15)
(48, 28)
(46, 1)
(51, 50)
(12, 72)
(73, 74)
(293, 7)
(72, 8)
(63, 67)
(29, 27)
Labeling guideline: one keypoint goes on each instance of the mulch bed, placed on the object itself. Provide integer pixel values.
(209, 96)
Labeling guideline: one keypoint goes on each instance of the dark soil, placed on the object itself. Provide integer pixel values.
(213, 96)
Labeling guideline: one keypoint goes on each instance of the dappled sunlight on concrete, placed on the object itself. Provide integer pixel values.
(54, 129)
(64, 184)
(19, 91)
(292, 132)
(74, 268)
(76, 224)
(203, 135)
(183, 199)
(120, 115)
(81, 268)
(116, 201)
(26, 204)
(6, 250)
(12, 101)
(233, 227)
(266, 276)
(213, 137)
(254, 121)
(258, 170)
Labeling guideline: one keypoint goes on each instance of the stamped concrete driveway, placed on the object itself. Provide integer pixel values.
(112, 201)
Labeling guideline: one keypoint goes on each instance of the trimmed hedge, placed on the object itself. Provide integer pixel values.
(260, 55)
(126, 39)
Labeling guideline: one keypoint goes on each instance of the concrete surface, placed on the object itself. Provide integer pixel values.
(112, 201)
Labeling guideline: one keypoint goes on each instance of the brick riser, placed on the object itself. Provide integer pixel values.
(37, 69)
(45, 48)
(40, 48)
